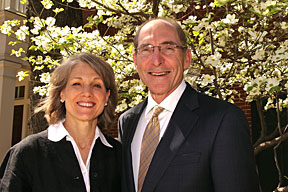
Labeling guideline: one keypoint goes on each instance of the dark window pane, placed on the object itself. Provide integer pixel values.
(17, 124)
(16, 92)
(22, 91)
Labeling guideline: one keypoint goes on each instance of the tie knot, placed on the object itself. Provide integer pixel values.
(157, 111)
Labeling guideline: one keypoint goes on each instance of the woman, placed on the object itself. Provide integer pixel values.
(72, 154)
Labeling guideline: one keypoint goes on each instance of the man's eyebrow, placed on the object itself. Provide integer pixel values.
(145, 44)
(163, 43)
(168, 42)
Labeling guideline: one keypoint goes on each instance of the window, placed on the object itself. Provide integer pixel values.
(13, 5)
(20, 92)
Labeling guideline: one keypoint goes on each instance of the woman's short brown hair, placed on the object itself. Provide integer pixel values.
(55, 110)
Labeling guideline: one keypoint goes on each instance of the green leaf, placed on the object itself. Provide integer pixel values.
(196, 33)
(33, 48)
(23, 1)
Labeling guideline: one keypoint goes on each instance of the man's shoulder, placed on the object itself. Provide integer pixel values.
(134, 110)
(210, 102)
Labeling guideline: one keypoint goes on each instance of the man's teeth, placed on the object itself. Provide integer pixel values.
(159, 74)
(86, 104)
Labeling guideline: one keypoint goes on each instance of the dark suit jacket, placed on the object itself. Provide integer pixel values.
(40, 165)
(206, 148)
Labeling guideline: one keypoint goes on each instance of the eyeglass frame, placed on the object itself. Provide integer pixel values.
(183, 47)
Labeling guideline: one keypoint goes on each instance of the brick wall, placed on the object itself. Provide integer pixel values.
(246, 107)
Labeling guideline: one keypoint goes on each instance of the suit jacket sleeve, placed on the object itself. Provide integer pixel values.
(232, 159)
(14, 177)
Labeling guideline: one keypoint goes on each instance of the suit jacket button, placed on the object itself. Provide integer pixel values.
(95, 174)
(76, 178)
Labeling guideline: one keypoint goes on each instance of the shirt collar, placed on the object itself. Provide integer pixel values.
(57, 132)
(170, 102)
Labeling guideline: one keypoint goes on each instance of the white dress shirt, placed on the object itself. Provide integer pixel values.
(169, 104)
(57, 132)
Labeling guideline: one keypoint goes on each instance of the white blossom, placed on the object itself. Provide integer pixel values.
(286, 85)
(259, 54)
(284, 25)
(214, 60)
(136, 100)
(122, 106)
(21, 75)
(22, 32)
(257, 36)
(45, 77)
(50, 21)
(207, 79)
(47, 4)
(271, 83)
(41, 90)
(191, 19)
(230, 19)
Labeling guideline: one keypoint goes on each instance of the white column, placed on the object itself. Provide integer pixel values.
(7, 91)
(9, 65)
(13, 5)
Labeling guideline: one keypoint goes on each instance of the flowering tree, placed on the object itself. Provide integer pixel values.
(235, 43)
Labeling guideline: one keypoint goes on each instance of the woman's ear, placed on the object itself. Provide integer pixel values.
(107, 96)
(62, 99)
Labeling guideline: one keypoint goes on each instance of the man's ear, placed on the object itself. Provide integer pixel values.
(134, 59)
(187, 59)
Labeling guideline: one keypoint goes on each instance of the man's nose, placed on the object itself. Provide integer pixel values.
(157, 58)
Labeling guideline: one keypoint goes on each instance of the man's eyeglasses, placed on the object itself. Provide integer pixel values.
(166, 49)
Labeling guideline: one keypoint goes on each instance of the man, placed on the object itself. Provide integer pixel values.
(204, 143)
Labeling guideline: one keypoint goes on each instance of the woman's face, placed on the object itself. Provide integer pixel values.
(85, 95)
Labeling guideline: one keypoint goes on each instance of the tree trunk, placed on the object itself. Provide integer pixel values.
(69, 17)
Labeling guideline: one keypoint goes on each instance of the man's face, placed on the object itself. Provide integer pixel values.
(160, 72)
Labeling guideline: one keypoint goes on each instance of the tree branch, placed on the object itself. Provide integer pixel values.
(281, 189)
(279, 143)
(267, 144)
(262, 120)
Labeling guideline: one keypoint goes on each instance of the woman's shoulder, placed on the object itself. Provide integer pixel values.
(31, 142)
(25, 151)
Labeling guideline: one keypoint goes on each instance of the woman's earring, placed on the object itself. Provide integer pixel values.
(106, 104)
(62, 100)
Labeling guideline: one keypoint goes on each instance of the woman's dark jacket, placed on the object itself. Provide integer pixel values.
(40, 165)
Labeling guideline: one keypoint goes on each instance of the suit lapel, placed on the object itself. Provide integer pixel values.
(136, 116)
(130, 127)
(179, 127)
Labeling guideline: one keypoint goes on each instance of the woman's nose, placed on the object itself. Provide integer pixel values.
(87, 91)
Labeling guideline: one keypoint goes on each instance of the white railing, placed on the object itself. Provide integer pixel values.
(13, 5)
